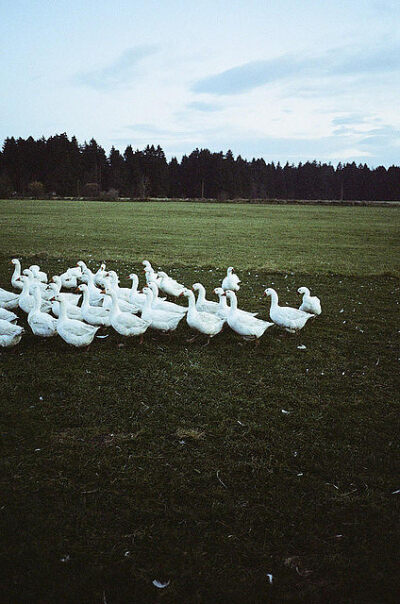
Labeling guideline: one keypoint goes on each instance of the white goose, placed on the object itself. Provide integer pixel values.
(289, 318)
(123, 293)
(38, 274)
(124, 305)
(15, 277)
(169, 286)
(151, 274)
(135, 297)
(26, 300)
(94, 315)
(310, 304)
(7, 315)
(83, 267)
(32, 281)
(162, 320)
(125, 323)
(72, 331)
(69, 279)
(95, 295)
(231, 281)
(246, 326)
(55, 288)
(202, 304)
(204, 322)
(162, 304)
(73, 311)
(40, 322)
(9, 300)
(10, 334)
(100, 274)
(223, 308)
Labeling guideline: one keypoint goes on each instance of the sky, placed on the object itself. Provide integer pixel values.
(286, 80)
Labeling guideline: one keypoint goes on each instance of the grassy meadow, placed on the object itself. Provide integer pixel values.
(208, 467)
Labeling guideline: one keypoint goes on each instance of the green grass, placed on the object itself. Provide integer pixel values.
(171, 461)
(354, 241)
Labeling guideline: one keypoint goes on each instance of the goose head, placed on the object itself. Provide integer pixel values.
(133, 277)
(303, 290)
(188, 293)
(269, 291)
(219, 291)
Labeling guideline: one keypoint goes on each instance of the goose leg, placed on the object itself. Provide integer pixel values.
(190, 340)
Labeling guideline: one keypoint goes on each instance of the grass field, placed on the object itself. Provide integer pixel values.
(174, 462)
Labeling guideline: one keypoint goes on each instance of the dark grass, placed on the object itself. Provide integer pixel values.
(174, 461)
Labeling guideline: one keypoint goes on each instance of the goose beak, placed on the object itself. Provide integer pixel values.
(52, 300)
(77, 290)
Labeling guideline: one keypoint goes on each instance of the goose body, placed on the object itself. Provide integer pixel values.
(201, 321)
(169, 286)
(38, 274)
(125, 323)
(26, 300)
(290, 319)
(202, 304)
(33, 281)
(135, 297)
(96, 297)
(15, 277)
(162, 304)
(10, 334)
(55, 289)
(73, 312)
(159, 319)
(223, 308)
(94, 315)
(123, 293)
(40, 322)
(124, 305)
(69, 279)
(310, 304)
(7, 315)
(151, 274)
(8, 300)
(100, 274)
(151, 277)
(247, 326)
(231, 281)
(73, 332)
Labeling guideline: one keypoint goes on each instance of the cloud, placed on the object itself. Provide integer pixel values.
(201, 106)
(248, 76)
(121, 71)
(335, 62)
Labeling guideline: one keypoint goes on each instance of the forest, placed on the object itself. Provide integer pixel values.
(60, 166)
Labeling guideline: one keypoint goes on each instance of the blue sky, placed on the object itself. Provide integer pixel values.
(285, 80)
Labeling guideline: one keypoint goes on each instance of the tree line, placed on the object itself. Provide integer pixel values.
(59, 166)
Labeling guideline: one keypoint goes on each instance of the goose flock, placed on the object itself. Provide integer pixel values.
(96, 300)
